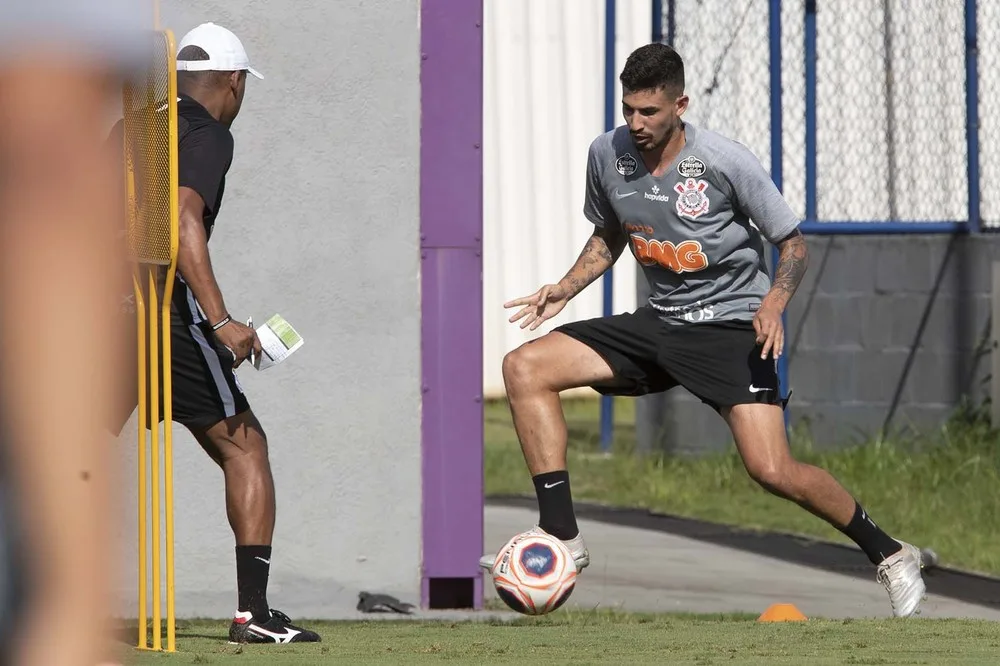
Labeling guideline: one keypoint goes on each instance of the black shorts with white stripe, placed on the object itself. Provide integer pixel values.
(205, 387)
(718, 361)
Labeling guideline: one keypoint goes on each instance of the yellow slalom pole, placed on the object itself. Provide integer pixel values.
(168, 289)
(140, 307)
(154, 455)
(149, 126)
(168, 468)
(143, 641)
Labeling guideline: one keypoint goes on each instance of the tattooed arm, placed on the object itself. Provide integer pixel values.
(599, 254)
(792, 263)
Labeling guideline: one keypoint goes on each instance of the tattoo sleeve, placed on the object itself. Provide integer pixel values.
(793, 260)
(599, 254)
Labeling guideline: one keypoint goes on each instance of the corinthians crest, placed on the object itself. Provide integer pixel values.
(692, 202)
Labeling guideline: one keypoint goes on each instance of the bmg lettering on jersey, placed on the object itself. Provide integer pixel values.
(685, 257)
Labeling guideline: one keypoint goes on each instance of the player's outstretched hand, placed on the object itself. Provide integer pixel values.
(544, 304)
(770, 332)
(240, 339)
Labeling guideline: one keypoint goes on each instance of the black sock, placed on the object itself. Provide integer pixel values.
(253, 564)
(863, 531)
(555, 505)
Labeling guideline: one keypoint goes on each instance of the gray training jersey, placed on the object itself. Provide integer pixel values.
(690, 229)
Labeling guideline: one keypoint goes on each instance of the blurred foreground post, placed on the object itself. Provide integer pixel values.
(62, 265)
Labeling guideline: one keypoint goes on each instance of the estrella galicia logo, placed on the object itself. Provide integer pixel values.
(626, 165)
(691, 167)
(538, 560)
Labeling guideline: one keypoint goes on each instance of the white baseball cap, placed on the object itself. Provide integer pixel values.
(225, 51)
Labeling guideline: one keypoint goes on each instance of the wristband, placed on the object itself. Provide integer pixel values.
(225, 320)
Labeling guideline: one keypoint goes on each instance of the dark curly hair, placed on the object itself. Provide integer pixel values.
(652, 67)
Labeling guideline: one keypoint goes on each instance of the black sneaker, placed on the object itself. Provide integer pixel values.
(277, 629)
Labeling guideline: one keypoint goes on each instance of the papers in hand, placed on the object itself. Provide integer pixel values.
(278, 340)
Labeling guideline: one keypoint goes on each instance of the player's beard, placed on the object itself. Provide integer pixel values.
(653, 146)
(660, 146)
(645, 144)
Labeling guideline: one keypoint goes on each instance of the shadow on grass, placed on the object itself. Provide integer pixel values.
(128, 633)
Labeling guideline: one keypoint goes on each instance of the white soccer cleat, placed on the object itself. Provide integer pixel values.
(901, 576)
(581, 557)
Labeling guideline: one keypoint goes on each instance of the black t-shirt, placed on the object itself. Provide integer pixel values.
(204, 156)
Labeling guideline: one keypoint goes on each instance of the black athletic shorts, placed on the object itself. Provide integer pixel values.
(719, 362)
(205, 387)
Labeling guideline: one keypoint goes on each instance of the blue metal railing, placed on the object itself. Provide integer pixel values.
(610, 9)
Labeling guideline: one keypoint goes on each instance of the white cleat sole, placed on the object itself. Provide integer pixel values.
(906, 587)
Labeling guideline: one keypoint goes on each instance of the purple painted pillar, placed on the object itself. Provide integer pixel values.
(451, 222)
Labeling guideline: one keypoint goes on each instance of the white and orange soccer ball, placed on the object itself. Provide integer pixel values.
(534, 573)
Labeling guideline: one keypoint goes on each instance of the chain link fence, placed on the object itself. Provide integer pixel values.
(873, 101)
(890, 110)
(987, 36)
(724, 46)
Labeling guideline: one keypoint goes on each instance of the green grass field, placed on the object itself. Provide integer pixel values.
(938, 490)
(581, 637)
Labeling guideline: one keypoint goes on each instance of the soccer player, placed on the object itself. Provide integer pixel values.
(693, 206)
(207, 343)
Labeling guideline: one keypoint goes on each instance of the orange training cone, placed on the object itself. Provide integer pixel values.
(782, 613)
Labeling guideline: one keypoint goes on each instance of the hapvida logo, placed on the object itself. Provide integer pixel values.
(656, 196)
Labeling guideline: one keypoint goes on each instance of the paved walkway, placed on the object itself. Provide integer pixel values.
(640, 570)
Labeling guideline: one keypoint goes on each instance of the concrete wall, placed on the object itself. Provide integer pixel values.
(882, 325)
(889, 326)
(321, 224)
